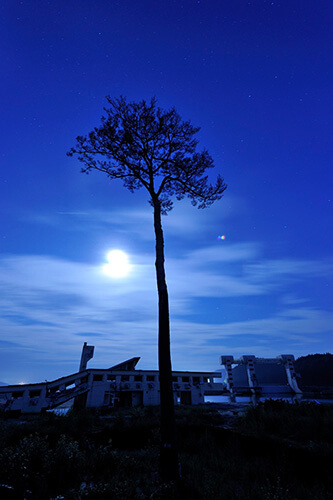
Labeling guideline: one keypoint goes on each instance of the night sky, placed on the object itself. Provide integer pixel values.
(256, 76)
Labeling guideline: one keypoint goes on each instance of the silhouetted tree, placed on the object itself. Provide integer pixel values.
(148, 147)
(315, 370)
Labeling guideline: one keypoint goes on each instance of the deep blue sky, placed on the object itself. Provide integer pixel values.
(256, 76)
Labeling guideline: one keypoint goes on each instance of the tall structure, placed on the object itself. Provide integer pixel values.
(87, 353)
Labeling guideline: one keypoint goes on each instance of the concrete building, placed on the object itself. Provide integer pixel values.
(261, 375)
(121, 385)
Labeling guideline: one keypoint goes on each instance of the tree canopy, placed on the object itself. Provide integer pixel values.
(148, 147)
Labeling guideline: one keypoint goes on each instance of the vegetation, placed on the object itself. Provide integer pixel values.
(147, 147)
(316, 371)
(275, 451)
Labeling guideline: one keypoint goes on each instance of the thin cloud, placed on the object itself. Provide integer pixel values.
(231, 253)
(271, 269)
(183, 220)
(47, 303)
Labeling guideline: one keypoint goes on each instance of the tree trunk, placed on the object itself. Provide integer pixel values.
(168, 453)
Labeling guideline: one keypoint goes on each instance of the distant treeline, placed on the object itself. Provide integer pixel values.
(316, 370)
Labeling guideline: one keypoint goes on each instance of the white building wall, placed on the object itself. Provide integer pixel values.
(107, 388)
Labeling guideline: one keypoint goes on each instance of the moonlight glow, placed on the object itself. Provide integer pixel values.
(118, 264)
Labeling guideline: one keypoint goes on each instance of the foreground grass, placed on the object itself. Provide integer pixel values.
(275, 451)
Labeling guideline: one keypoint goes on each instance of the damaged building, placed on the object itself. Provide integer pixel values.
(121, 385)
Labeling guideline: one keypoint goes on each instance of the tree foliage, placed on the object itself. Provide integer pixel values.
(148, 147)
(315, 370)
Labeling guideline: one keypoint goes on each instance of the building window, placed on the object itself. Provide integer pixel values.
(196, 380)
(111, 378)
(106, 399)
(34, 394)
(150, 378)
(174, 379)
(137, 378)
(17, 394)
(125, 378)
(185, 379)
(98, 378)
(205, 379)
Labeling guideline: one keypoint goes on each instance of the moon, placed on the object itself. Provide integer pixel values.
(118, 265)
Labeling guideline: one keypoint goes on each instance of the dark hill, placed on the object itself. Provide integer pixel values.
(316, 370)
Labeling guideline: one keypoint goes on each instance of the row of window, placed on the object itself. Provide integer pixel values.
(149, 378)
(123, 378)
(32, 394)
